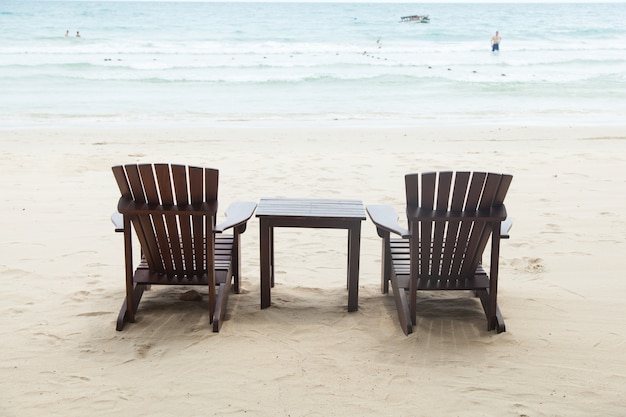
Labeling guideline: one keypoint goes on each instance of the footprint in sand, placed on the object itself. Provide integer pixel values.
(528, 265)
(552, 228)
(94, 314)
(142, 350)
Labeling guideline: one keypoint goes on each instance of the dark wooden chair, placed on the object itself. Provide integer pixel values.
(451, 217)
(173, 210)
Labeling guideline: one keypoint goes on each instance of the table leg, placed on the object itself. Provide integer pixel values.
(348, 262)
(354, 248)
(265, 259)
(271, 233)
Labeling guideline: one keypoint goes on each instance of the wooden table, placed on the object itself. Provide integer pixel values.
(319, 214)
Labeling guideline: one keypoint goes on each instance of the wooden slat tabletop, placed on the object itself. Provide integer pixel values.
(314, 208)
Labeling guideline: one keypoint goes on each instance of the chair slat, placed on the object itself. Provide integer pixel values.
(179, 179)
(490, 191)
(164, 179)
(474, 193)
(168, 229)
(427, 200)
(439, 229)
(211, 179)
(196, 195)
(411, 183)
(183, 251)
(461, 182)
(134, 181)
(149, 184)
(503, 188)
(122, 182)
(444, 184)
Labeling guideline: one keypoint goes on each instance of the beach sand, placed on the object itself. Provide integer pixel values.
(561, 287)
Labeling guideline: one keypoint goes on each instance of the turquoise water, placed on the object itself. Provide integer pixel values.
(204, 62)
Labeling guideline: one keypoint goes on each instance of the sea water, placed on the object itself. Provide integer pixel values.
(213, 62)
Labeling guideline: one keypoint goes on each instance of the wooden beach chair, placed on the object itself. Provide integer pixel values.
(451, 217)
(173, 209)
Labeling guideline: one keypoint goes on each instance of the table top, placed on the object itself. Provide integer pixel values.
(310, 208)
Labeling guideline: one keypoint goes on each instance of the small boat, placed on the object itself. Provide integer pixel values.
(415, 19)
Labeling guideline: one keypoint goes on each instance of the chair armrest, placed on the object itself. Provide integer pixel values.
(237, 213)
(505, 226)
(385, 218)
(118, 220)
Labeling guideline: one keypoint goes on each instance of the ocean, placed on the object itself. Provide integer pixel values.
(150, 62)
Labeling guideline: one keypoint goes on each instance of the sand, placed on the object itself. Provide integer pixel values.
(562, 284)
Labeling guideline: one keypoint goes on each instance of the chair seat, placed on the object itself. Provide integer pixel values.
(223, 265)
(400, 260)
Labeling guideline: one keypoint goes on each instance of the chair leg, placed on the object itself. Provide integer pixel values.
(236, 261)
(500, 327)
(121, 318)
(496, 321)
(221, 302)
(385, 266)
(126, 314)
(402, 305)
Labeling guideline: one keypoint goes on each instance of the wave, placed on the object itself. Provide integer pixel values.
(376, 62)
(439, 80)
(55, 45)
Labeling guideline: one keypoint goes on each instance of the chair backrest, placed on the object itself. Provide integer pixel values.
(172, 209)
(451, 216)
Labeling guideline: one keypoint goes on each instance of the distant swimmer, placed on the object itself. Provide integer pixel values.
(67, 33)
(77, 34)
(495, 42)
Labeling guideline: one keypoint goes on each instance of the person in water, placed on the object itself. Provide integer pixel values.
(77, 34)
(495, 42)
